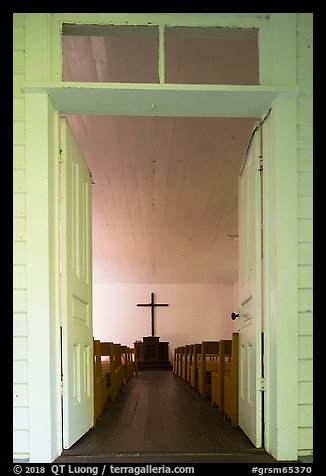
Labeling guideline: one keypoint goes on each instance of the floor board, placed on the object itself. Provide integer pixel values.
(159, 418)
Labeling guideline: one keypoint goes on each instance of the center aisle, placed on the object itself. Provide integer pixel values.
(159, 418)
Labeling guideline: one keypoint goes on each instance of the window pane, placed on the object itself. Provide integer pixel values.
(211, 55)
(114, 54)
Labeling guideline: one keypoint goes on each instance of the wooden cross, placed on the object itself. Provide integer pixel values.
(152, 305)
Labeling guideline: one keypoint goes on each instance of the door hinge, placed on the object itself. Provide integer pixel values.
(61, 388)
(262, 384)
(91, 176)
(261, 164)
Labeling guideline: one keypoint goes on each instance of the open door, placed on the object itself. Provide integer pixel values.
(76, 290)
(250, 292)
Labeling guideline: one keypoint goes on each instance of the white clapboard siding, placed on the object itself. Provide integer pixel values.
(20, 375)
(19, 324)
(19, 300)
(20, 423)
(19, 253)
(19, 205)
(305, 300)
(20, 395)
(20, 442)
(20, 348)
(19, 229)
(305, 324)
(305, 246)
(18, 158)
(305, 230)
(305, 203)
(19, 180)
(305, 252)
(20, 371)
(19, 277)
(20, 418)
(305, 276)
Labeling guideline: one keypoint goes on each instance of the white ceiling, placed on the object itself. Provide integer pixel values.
(165, 193)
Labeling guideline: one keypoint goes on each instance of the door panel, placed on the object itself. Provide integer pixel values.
(76, 290)
(250, 411)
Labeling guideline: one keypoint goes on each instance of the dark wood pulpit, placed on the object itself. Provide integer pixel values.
(151, 353)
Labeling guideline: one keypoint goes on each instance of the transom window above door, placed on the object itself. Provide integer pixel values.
(131, 54)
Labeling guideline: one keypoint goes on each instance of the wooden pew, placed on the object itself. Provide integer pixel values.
(133, 361)
(178, 361)
(217, 383)
(107, 363)
(100, 396)
(175, 360)
(189, 362)
(118, 368)
(194, 367)
(181, 359)
(231, 383)
(207, 363)
(112, 368)
(130, 367)
(184, 362)
(125, 362)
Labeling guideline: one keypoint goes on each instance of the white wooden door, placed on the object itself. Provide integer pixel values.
(76, 290)
(250, 309)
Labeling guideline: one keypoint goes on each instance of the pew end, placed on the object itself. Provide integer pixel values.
(99, 383)
(217, 380)
(207, 363)
(194, 367)
(231, 383)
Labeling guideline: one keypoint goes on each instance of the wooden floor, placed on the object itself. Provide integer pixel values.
(159, 418)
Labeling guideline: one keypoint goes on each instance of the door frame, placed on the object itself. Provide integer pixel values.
(280, 245)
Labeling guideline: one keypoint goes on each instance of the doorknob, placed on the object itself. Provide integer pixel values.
(234, 315)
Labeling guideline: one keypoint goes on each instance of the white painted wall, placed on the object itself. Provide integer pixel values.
(196, 312)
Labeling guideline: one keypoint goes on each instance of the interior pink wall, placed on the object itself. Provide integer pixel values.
(196, 312)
